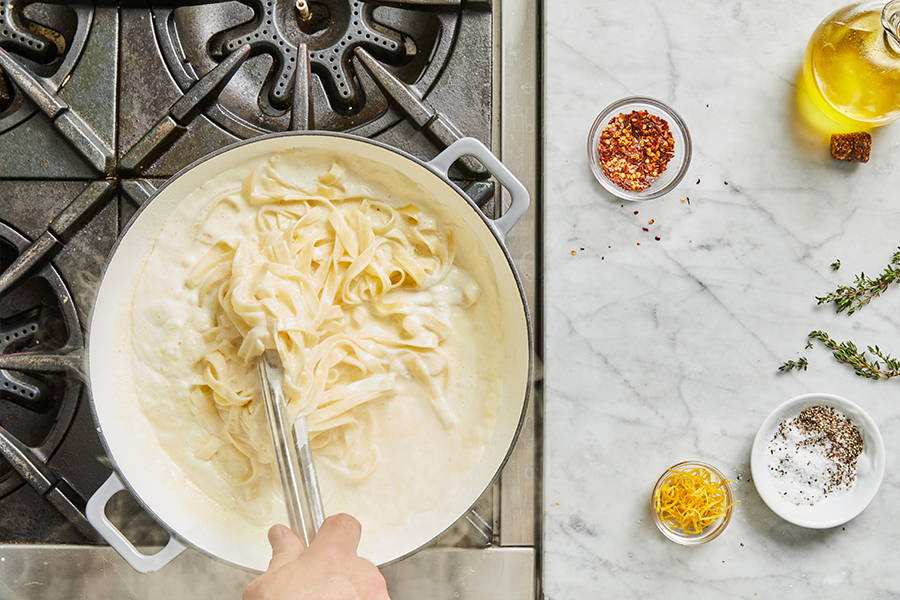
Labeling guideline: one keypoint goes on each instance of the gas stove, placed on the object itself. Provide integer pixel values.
(100, 103)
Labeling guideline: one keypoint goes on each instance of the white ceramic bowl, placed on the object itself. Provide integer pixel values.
(834, 510)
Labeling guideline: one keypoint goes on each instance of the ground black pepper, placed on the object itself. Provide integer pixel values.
(817, 451)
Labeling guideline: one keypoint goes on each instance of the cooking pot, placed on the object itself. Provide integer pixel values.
(155, 480)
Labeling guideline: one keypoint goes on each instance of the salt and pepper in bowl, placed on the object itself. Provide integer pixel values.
(818, 460)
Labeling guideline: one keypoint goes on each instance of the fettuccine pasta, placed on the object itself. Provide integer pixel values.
(360, 292)
(314, 281)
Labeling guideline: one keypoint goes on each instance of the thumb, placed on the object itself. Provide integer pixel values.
(286, 546)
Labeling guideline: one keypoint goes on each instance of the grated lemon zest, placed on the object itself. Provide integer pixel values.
(691, 500)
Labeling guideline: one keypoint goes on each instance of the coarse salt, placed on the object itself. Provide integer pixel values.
(801, 471)
(809, 463)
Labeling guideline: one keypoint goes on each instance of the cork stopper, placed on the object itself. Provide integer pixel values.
(852, 147)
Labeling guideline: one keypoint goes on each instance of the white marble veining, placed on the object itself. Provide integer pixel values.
(668, 350)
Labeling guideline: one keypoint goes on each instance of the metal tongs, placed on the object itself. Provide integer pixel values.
(295, 465)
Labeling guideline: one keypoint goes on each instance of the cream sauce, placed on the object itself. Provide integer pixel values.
(419, 449)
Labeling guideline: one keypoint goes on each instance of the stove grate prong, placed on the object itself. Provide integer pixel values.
(302, 107)
(480, 192)
(173, 125)
(34, 470)
(137, 190)
(69, 362)
(59, 231)
(430, 3)
(425, 117)
(65, 120)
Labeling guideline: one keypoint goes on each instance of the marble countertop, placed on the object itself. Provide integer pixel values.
(660, 351)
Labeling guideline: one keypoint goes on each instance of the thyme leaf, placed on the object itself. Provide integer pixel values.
(876, 365)
(836, 265)
(850, 298)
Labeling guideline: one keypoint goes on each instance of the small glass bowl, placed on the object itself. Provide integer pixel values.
(676, 168)
(712, 531)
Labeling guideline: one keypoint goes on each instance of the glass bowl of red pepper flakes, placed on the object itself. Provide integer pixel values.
(639, 148)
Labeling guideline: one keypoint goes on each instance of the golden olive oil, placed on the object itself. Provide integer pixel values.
(852, 67)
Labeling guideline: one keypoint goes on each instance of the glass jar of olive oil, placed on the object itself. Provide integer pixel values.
(852, 67)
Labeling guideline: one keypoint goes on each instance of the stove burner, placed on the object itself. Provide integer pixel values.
(414, 42)
(47, 39)
(36, 316)
(22, 390)
(331, 33)
(26, 38)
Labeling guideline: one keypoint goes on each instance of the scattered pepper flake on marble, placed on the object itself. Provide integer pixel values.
(651, 222)
(657, 238)
(638, 243)
(636, 212)
(644, 229)
(698, 181)
(726, 183)
(572, 252)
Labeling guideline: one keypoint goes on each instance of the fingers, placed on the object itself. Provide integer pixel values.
(286, 546)
(339, 531)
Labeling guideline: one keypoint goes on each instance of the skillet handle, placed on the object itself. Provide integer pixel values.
(96, 515)
(468, 146)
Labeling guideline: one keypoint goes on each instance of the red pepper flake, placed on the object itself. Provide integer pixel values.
(645, 229)
(636, 212)
(651, 222)
(609, 246)
(726, 183)
(638, 243)
(657, 238)
(635, 149)
(602, 258)
(698, 181)
(572, 252)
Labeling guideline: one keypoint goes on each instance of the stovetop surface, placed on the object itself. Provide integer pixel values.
(100, 103)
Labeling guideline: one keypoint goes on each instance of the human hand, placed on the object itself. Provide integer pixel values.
(328, 570)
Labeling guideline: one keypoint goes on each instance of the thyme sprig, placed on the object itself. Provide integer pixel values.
(800, 365)
(850, 298)
(883, 366)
